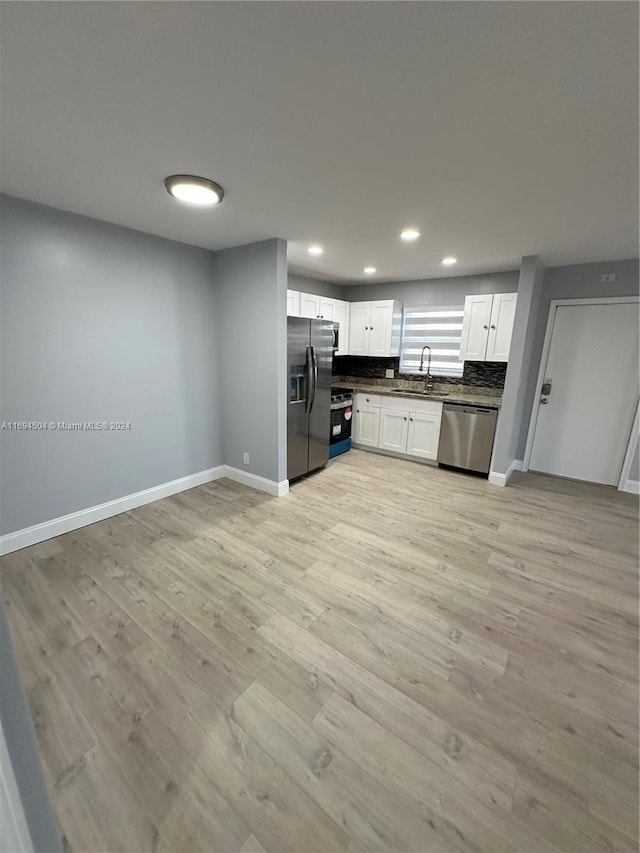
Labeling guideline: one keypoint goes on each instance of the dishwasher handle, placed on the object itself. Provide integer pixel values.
(468, 410)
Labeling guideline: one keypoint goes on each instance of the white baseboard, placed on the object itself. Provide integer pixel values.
(278, 490)
(632, 486)
(503, 479)
(65, 523)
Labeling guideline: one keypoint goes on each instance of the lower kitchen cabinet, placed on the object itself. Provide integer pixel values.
(367, 425)
(393, 430)
(382, 422)
(423, 435)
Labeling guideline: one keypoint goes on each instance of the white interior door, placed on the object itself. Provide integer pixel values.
(583, 422)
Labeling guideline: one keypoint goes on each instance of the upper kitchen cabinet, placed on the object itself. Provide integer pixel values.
(293, 303)
(321, 308)
(375, 327)
(342, 317)
(309, 305)
(487, 327)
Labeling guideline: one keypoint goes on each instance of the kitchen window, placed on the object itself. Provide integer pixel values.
(441, 328)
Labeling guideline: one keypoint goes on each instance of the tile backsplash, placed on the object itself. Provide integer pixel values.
(484, 374)
(479, 374)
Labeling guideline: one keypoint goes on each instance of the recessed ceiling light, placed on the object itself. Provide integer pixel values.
(409, 235)
(194, 190)
(369, 270)
(449, 261)
(315, 250)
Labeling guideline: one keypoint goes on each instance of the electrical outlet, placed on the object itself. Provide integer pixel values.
(607, 278)
(246, 458)
(389, 373)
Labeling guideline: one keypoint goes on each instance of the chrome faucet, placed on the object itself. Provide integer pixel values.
(428, 379)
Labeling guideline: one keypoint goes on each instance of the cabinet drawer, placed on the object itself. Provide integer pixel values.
(413, 404)
(363, 399)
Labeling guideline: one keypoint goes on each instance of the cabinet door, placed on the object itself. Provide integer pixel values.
(393, 430)
(423, 435)
(359, 328)
(328, 308)
(309, 305)
(367, 425)
(503, 314)
(381, 320)
(475, 327)
(342, 317)
(293, 303)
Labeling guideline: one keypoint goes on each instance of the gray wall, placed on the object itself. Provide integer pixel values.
(579, 281)
(313, 285)
(521, 363)
(251, 285)
(101, 323)
(22, 747)
(436, 291)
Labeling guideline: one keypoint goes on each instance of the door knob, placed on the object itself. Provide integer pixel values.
(543, 401)
(485, 327)
(492, 326)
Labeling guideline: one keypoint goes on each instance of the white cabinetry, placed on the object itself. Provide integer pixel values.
(360, 313)
(309, 305)
(342, 318)
(487, 327)
(400, 425)
(366, 426)
(327, 308)
(321, 307)
(503, 313)
(293, 303)
(393, 430)
(375, 328)
(423, 434)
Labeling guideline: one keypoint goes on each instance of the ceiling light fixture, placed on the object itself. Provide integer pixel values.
(449, 261)
(315, 250)
(194, 190)
(369, 270)
(409, 235)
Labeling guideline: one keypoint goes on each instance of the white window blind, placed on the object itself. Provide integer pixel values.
(441, 328)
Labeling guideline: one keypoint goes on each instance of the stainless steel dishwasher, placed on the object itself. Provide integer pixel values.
(466, 437)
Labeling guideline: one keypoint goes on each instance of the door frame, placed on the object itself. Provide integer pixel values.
(553, 307)
(624, 483)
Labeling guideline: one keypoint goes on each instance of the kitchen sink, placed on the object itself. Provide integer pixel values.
(420, 393)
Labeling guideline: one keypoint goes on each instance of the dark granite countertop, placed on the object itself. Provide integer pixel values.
(457, 395)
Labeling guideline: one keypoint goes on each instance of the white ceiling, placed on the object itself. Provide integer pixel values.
(497, 129)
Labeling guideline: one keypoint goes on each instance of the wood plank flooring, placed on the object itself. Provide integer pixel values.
(391, 658)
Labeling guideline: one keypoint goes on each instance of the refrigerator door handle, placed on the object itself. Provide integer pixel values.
(308, 374)
(313, 374)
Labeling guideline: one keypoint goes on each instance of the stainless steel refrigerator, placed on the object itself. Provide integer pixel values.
(309, 357)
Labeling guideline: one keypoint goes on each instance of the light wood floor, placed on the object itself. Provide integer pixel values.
(393, 657)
